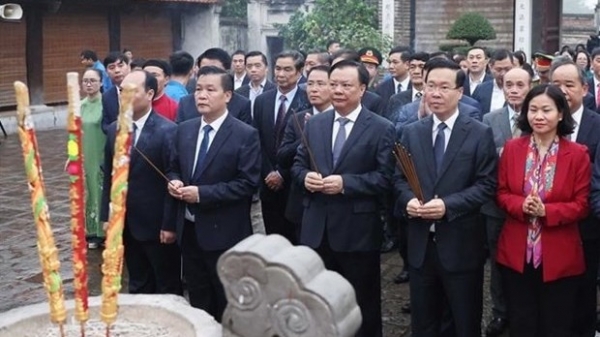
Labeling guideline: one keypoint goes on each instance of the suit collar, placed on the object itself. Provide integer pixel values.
(426, 143)
(362, 122)
(585, 127)
(220, 138)
(457, 138)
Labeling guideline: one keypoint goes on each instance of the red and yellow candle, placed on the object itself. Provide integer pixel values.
(77, 198)
(113, 253)
(45, 240)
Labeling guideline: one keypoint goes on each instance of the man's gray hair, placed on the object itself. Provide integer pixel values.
(566, 60)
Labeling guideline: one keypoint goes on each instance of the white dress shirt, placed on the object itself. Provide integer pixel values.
(414, 94)
(447, 133)
(255, 91)
(577, 117)
(498, 98)
(216, 125)
(316, 111)
(348, 127)
(289, 97)
(404, 84)
(238, 81)
(473, 83)
(140, 125)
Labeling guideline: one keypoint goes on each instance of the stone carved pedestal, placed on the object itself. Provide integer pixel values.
(275, 289)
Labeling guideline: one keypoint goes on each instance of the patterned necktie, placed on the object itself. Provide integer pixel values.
(279, 121)
(598, 97)
(418, 96)
(134, 134)
(202, 152)
(516, 132)
(340, 139)
(399, 88)
(439, 147)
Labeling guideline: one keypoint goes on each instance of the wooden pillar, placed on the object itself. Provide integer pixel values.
(176, 29)
(34, 53)
(114, 29)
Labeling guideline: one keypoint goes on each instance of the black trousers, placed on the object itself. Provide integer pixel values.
(494, 227)
(273, 211)
(537, 308)
(204, 287)
(153, 268)
(431, 286)
(584, 323)
(363, 271)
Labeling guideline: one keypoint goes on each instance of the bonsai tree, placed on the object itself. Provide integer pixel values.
(471, 27)
(312, 30)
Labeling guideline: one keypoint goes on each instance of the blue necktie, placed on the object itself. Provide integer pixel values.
(202, 152)
(439, 147)
(399, 88)
(134, 134)
(340, 139)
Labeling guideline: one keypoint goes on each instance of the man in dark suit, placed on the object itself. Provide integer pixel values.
(370, 100)
(319, 96)
(214, 171)
(352, 168)
(517, 83)
(416, 66)
(238, 67)
(272, 110)
(400, 81)
(456, 168)
(238, 106)
(151, 255)
(478, 60)
(594, 83)
(256, 69)
(572, 81)
(117, 67)
(490, 93)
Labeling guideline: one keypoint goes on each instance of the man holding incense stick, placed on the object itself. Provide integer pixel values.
(352, 151)
(455, 160)
(151, 255)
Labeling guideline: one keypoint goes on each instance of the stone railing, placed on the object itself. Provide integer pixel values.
(275, 289)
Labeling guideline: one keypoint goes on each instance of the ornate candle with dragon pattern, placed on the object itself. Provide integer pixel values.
(113, 253)
(45, 239)
(77, 197)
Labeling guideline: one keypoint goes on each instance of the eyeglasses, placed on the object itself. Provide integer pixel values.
(444, 89)
(89, 81)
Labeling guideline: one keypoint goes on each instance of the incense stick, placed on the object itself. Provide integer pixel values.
(407, 166)
(311, 157)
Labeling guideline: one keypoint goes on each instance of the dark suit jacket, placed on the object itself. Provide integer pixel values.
(410, 113)
(589, 136)
(373, 102)
(148, 211)
(302, 79)
(244, 90)
(264, 121)
(110, 107)
(229, 177)
(483, 94)
(467, 83)
(351, 219)
(238, 107)
(386, 90)
(590, 99)
(292, 138)
(467, 180)
(566, 205)
(398, 100)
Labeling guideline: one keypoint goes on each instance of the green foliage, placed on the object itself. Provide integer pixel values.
(351, 22)
(471, 27)
(455, 48)
(235, 9)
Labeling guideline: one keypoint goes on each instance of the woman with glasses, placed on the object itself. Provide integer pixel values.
(93, 154)
(543, 186)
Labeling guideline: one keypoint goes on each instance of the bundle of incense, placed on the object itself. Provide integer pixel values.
(45, 239)
(407, 166)
(311, 157)
(77, 197)
(113, 253)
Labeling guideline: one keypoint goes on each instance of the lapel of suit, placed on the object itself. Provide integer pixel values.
(188, 149)
(426, 144)
(144, 140)
(504, 123)
(297, 103)
(220, 139)
(585, 127)
(457, 137)
(270, 105)
(324, 136)
(362, 123)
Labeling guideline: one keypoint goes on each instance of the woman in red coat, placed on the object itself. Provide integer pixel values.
(543, 185)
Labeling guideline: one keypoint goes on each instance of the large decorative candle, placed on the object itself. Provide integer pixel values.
(113, 253)
(77, 197)
(45, 239)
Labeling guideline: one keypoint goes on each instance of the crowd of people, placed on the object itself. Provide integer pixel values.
(505, 159)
